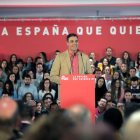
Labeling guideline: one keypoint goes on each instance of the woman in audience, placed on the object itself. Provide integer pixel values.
(46, 75)
(46, 88)
(124, 71)
(44, 57)
(29, 63)
(48, 95)
(116, 91)
(100, 89)
(16, 83)
(93, 69)
(8, 87)
(27, 96)
(95, 62)
(15, 70)
(137, 62)
(33, 80)
(13, 59)
(104, 64)
(4, 65)
(126, 59)
(108, 96)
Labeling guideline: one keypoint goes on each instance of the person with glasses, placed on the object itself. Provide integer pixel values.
(116, 91)
(121, 105)
(111, 103)
(27, 96)
(101, 106)
(108, 96)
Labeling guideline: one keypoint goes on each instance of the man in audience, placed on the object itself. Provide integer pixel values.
(111, 103)
(3, 76)
(8, 118)
(127, 96)
(39, 72)
(28, 87)
(51, 62)
(98, 74)
(118, 64)
(121, 105)
(112, 60)
(54, 107)
(26, 117)
(47, 101)
(101, 106)
(123, 71)
(127, 82)
(79, 114)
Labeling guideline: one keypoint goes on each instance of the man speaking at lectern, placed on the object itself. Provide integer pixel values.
(70, 62)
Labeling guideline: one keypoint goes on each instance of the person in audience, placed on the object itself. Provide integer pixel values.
(121, 105)
(118, 64)
(47, 101)
(91, 60)
(117, 76)
(112, 60)
(127, 82)
(105, 63)
(123, 71)
(127, 97)
(46, 88)
(100, 89)
(13, 59)
(137, 62)
(27, 96)
(39, 72)
(101, 106)
(29, 63)
(20, 65)
(8, 118)
(46, 75)
(51, 62)
(59, 103)
(15, 70)
(48, 95)
(1, 85)
(54, 107)
(4, 65)
(107, 76)
(9, 89)
(79, 114)
(16, 83)
(108, 95)
(126, 59)
(116, 91)
(111, 103)
(93, 69)
(28, 87)
(40, 60)
(135, 89)
(3, 76)
(98, 74)
(33, 80)
(95, 62)
(116, 122)
(44, 57)
(138, 71)
(26, 118)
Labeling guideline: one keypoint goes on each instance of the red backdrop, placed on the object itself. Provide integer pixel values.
(28, 38)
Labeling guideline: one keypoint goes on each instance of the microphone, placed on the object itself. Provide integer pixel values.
(83, 63)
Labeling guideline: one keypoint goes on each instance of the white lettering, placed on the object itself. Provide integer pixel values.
(123, 30)
(87, 30)
(27, 30)
(65, 31)
(19, 30)
(98, 30)
(137, 29)
(36, 30)
(80, 31)
(113, 30)
(55, 30)
(45, 32)
(4, 32)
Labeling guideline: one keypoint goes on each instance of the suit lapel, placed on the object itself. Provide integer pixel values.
(67, 59)
(81, 71)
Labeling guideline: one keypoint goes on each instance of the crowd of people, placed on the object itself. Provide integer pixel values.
(29, 99)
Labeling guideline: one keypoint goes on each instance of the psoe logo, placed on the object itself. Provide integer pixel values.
(64, 78)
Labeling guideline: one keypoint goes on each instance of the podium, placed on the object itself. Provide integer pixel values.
(78, 89)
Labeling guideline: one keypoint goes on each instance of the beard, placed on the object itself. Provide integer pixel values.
(27, 84)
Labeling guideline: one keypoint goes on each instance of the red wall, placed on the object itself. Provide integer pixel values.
(29, 44)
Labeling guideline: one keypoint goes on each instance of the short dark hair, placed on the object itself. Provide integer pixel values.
(19, 61)
(97, 70)
(56, 51)
(27, 113)
(53, 103)
(103, 98)
(36, 59)
(110, 118)
(70, 35)
(109, 48)
(134, 79)
(132, 68)
(39, 64)
(46, 99)
(128, 90)
(113, 101)
(27, 76)
(90, 58)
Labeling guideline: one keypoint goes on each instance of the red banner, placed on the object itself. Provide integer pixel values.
(28, 38)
